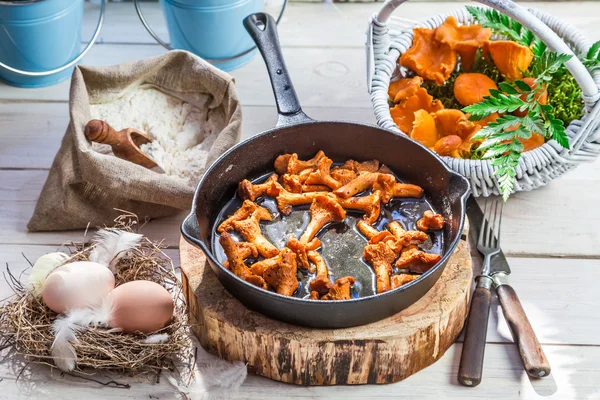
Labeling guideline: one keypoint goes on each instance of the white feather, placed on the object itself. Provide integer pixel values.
(66, 326)
(224, 376)
(212, 376)
(157, 338)
(111, 245)
(42, 268)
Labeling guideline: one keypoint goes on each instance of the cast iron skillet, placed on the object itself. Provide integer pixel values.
(446, 191)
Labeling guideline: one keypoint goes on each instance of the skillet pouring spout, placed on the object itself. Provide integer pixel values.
(445, 191)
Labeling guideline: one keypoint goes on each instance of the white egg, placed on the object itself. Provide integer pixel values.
(77, 285)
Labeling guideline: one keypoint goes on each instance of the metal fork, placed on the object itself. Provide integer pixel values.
(488, 244)
(496, 273)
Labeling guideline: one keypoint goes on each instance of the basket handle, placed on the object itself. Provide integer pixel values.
(525, 18)
(167, 46)
(70, 63)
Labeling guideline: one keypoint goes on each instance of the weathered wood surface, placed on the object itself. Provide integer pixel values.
(382, 352)
(557, 293)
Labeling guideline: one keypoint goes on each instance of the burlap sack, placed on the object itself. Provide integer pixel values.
(85, 186)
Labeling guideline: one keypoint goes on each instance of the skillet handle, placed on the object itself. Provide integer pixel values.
(263, 30)
(190, 230)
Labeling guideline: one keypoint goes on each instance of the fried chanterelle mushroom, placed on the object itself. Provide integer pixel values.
(430, 222)
(340, 290)
(249, 228)
(236, 262)
(331, 190)
(381, 257)
(282, 275)
(248, 191)
(323, 210)
(320, 283)
(416, 260)
(396, 242)
(286, 200)
(401, 279)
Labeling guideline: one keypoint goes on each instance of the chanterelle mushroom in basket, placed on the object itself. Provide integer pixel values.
(381, 257)
(282, 275)
(323, 210)
(430, 222)
(321, 176)
(370, 205)
(390, 188)
(247, 209)
(236, 262)
(248, 191)
(321, 282)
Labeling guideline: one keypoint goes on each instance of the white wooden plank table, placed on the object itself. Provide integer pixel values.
(550, 235)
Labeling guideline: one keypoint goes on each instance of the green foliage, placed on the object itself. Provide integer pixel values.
(545, 66)
(486, 66)
(501, 140)
(591, 59)
(508, 28)
(498, 102)
(501, 137)
(564, 95)
(444, 92)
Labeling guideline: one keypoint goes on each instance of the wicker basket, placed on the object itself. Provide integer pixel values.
(389, 37)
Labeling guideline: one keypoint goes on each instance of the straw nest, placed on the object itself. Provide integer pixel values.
(26, 322)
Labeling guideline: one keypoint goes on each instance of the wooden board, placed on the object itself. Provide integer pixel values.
(383, 352)
(558, 304)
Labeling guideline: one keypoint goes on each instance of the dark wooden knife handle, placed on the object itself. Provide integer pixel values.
(471, 359)
(535, 361)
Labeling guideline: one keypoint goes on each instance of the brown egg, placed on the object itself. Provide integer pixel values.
(142, 306)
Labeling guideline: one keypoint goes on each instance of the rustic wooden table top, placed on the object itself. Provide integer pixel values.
(550, 235)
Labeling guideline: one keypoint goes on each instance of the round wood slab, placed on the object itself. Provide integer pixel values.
(382, 352)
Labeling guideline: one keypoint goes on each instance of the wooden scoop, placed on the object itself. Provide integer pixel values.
(125, 143)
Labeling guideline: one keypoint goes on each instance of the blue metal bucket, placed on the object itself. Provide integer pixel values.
(211, 29)
(40, 40)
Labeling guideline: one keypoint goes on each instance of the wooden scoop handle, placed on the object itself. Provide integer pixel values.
(101, 132)
(124, 143)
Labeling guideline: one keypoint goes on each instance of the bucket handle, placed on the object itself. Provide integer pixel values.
(168, 46)
(70, 63)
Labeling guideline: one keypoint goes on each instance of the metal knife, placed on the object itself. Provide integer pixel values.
(530, 350)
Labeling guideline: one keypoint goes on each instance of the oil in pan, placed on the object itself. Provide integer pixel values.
(342, 243)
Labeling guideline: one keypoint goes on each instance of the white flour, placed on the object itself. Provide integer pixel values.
(183, 132)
